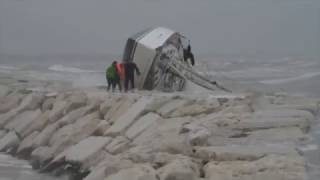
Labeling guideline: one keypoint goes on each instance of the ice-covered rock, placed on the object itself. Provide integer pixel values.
(197, 135)
(81, 152)
(102, 127)
(76, 100)
(241, 152)
(10, 140)
(43, 138)
(22, 121)
(37, 125)
(128, 118)
(9, 102)
(31, 102)
(48, 104)
(142, 124)
(194, 109)
(107, 105)
(74, 115)
(6, 117)
(138, 172)
(180, 169)
(266, 122)
(57, 111)
(118, 107)
(117, 145)
(40, 156)
(270, 167)
(4, 90)
(73, 133)
(109, 165)
(2, 133)
(274, 135)
(172, 105)
(25, 148)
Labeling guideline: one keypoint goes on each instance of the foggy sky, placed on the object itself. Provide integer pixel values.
(216, 27)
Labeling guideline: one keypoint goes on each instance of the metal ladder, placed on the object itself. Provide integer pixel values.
(188, 73)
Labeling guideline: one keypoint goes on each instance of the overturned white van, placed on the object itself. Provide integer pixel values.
(159, 55)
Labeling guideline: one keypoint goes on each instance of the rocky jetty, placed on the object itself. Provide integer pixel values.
(95, 135)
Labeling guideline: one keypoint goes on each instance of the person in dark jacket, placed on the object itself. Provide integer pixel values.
(187, 54)
(129, 69)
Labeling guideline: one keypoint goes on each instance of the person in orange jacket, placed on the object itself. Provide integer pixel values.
(117, 79)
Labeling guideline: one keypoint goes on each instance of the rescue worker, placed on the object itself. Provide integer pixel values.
(120, 70)
(129, 68)
(117, 75)
(110, 76)
(187, 54)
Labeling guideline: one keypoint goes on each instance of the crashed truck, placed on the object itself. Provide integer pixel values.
(158, 53)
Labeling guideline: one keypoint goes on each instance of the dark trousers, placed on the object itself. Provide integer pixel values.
(117, 82)
(128, 79)
(111, 83)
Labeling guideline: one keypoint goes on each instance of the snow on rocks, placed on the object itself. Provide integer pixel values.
(9, 141)
(81, 153)
(269, 167)
(22, 121)
(138, 172)
(4, 90)
(180, 169)
(142, 124)
(161, 137)
(128, 118)
(172, 105)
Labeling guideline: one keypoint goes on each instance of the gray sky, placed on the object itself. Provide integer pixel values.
(221, 27)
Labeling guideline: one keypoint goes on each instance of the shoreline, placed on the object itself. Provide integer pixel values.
(154, 135)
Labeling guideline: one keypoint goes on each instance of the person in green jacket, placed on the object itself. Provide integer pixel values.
(111, 74)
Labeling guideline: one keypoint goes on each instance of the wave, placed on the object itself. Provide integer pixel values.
(6, 67)
(62, 68)
(287, 80)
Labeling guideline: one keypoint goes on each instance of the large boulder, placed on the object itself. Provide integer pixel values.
(142, 124)
(25, 148)
(22, 121)
(76, 100)
(180, 169)
(118, 107)
(9, 141)
(10, 102)
(4, 90)
(73, 133)
(128, 117)
(274, 135)
(37, 125)
(57, 111)
(138, 172)
(41, 156)
(74, 115)
(81, 153)
(270, 167)
(197, 135)
(30, 102)
(195, 109)
(117, 145)
(109, 165)
(43, 138)
(48, 104)
(172, 105)
(242, 152)
(83, 127)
